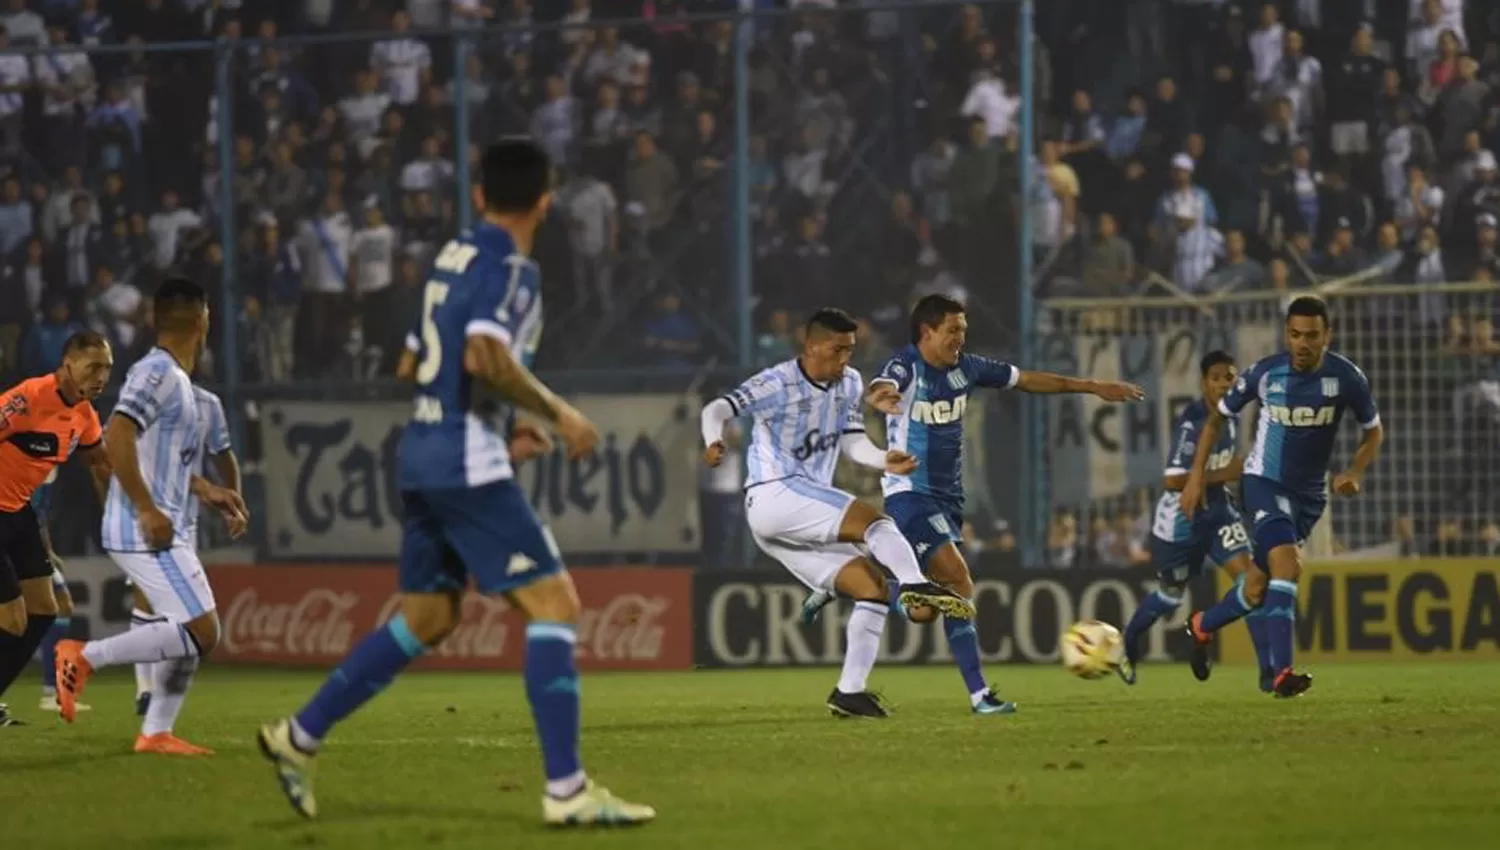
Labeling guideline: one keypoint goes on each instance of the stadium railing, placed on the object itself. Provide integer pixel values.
(1430, 354)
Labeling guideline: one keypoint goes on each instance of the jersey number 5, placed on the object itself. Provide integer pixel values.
(432, 342)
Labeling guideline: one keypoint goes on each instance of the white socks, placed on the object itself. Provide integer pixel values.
(150, 642)
(140, 618)
(866, 625)
(169, 687)
(893, 552)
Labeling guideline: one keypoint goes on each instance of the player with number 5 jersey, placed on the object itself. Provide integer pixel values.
(464, 516)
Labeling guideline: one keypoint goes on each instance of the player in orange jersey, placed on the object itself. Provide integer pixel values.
(43, 422)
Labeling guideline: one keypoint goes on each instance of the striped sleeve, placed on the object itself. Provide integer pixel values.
(760, 393)
(147, 388)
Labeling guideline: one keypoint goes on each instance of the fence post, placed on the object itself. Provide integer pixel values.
(1033, 507)
(229, 303)
(744, 342)
(462, 179)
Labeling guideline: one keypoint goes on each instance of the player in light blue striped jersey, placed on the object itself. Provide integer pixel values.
(155, 445)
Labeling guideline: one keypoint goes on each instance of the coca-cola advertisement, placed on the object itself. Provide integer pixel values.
(634, 618)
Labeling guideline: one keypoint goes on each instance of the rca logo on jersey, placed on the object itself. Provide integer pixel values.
(1351, 610)
(816, 442)
(1301, 417)
(940, 412)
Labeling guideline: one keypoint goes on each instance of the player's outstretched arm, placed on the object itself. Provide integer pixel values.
(1047, 383)
(857, 447)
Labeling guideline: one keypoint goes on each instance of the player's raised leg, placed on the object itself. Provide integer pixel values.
(862, 523)
(187, 632)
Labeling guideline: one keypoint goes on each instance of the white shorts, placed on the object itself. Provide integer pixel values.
(796, 521)
(173, 581)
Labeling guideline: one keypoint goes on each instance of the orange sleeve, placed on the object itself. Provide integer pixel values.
(92, 434)
(15, 410)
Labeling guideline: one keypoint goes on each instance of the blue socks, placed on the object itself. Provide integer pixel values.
(367, 671)
(552, 689)
(1280, 617)
(58, 631)
(963, 641)
(1256, 622)
(1232, 607)
(1155, 606)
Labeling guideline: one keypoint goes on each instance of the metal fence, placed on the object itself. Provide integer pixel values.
(719, 174)
(1433, 362)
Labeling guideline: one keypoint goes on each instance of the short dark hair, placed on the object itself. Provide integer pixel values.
(177, 295)
(930, 312)
(83, 341)
(831, 320)
(517, 173)
(1214, 358)
(1311, 306)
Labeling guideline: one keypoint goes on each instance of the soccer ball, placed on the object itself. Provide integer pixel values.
(1091, 649)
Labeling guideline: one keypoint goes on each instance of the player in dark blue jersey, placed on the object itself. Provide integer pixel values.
(464, 515)
(1303, 394)
(924, 390)
(1179, 546)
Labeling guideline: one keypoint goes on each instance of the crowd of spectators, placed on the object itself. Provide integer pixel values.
(1198, 145)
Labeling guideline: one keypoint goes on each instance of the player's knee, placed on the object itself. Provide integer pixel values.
(948, 568)
(1286, 562)
(205, 632)
(431, 617)
(13, 617)
(1253, 587)
(40, 601)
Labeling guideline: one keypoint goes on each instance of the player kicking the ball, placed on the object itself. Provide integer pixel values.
(805, 412)
(464, 515)
(1180, 546)
(923, 390)
(1303, 394)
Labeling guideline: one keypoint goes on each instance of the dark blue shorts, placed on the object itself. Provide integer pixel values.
(488, 532)
(1218, 535)
(925, 522)
(1279, 516)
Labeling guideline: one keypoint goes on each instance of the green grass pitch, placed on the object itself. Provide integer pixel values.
(1395, 756)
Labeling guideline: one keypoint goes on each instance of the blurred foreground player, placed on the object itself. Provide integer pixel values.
(464, 515)
(43, 422)
(1303, 394)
